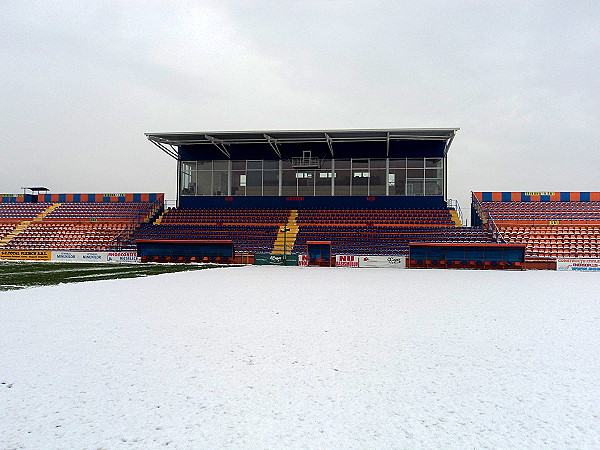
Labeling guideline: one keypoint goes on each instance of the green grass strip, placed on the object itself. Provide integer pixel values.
(22, 274)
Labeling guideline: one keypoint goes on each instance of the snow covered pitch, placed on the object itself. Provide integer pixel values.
(289, 357)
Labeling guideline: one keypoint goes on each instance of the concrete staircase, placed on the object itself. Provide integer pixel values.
(289, 237)
(160, 218)
(47, 211)
(455, 217)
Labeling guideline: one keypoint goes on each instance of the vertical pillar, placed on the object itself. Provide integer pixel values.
(387, 176)
(178, 181)
(228, 177)
(332, 177)
(280, 189)
(445, 177)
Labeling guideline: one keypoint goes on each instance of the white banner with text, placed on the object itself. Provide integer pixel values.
(578, 264)
(398, 262)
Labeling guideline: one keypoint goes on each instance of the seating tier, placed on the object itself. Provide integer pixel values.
(549, 229)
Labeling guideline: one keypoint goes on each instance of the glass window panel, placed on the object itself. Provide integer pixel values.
(204, 165)
(360, 190)
(254, 182)
(397, 182)
(271, 182)
(360, 163)
(342, 181)
(342, 164)
(323, 183)
(360, 182)
(238, 182)
(185, 178)
(288, 183)
(220, 182)
(220, 165)
(254, 190)
(238, 165)
(414, 173)
(398, 163)
(377, 163)
(433, 187)
(433, 162)
(204, 181)
(306, 182)
(414, 162)
(270, 165)
(377, 182)
(254, 178)
(414, 186)
(271, 178)
(433, 173)
(322, 190)
(254, 165)
(190, 165)
(270, 190)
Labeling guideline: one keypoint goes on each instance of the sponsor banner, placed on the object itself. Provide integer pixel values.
(262, 259)
(122, 257)
(346, 261)
(578, 264)
(398, 262)
(539, 193)
(26, 255)
(303, 260)
(65, 256)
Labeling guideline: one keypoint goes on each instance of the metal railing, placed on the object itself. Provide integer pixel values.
(487, 220)
(306, 163)
(453, 204)
(125, 235)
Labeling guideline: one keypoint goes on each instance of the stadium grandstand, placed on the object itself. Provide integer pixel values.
(80, 222)
(550, 224)
(364, 191)
(245, 195)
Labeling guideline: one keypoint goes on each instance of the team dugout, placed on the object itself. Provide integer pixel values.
(336, 163)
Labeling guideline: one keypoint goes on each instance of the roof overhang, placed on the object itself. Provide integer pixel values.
(169, 142)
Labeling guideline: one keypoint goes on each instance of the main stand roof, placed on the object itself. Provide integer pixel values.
(235, 142)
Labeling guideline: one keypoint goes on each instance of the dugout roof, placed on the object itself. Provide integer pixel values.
(237, 144)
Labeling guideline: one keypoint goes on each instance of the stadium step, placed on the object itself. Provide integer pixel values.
(286, 240)
(160, 218)
(455, 217)
(18, 230)
(47, 211)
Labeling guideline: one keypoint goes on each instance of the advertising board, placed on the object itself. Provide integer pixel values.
(346, 261)
(66, 256)
(273, 259)
(26, 255)
(122, 257)
(398, 262)
(578, 264)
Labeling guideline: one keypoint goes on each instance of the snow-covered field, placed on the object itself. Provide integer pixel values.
(288, 357)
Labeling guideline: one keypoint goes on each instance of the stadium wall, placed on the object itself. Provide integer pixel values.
(310, 202)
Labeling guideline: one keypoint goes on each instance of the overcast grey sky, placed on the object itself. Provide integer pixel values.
(81, 82)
